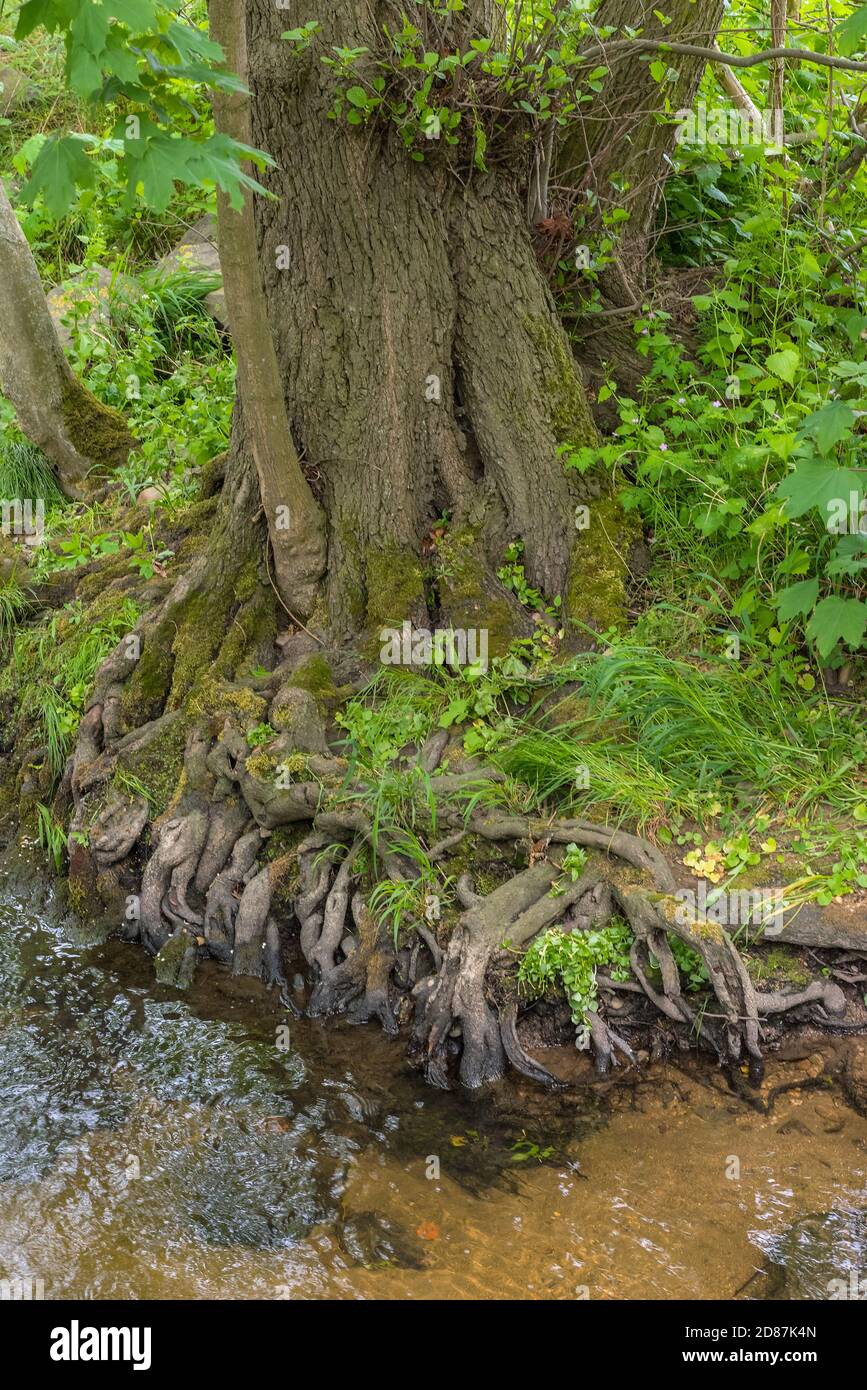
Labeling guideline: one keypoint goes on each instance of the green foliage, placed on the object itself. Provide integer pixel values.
(436, 80)
(137, 59)
(574, 864)
(26, 473)
(569, 960)
(263, 733)
(52, 668)
(13, 603)
(52, 837)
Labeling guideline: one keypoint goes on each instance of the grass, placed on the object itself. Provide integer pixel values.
(706, 728)
(25, 472)
(52, 669)
(13, 602)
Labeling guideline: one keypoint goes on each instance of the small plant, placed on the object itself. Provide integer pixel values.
(570, 959)
(263, 733)
(52, 837)
(574, 864)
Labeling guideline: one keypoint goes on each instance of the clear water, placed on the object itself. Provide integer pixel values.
(159, 1145)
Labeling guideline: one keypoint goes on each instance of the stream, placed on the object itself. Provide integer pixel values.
(213, 1146)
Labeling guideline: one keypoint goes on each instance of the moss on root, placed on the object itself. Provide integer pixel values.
(159, 765)
(560, 383)
(98, 432)
(467, 593)
(395, 589)
(599, 571)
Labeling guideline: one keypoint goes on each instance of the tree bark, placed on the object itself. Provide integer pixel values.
(74, 430)
(628, 135)
(423, 364)
(295, 523)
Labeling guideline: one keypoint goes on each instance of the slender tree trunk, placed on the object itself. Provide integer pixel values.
(622, 150)
(74, 430)
(295, 522)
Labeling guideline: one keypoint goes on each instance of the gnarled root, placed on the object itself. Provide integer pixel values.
(454, 1003)
(738, 1025)
(359, 985)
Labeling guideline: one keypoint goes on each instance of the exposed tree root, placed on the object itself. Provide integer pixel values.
(210, 886)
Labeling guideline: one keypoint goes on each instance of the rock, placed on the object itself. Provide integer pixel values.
(198, 251)
(294, 713)
(17, 91)
(175, 962)
(91, 293)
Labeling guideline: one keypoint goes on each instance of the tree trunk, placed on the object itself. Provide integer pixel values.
(424, 367)
(622, 149)
(74, 430)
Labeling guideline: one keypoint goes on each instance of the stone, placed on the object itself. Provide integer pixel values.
(175, 962)
(17, 90)
(198, 251)
(92, 293)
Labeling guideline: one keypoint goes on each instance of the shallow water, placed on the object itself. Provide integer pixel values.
(156, 1145)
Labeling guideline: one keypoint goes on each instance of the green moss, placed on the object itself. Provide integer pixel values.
(217, 699)
(159, 765)
(780, 963)
(251, 635)
(395, 588)
(467, 593)
(91, 586)
(568, 411)
(599, 571)
(145, 691)
(315, 675)
(261, 765)
(98, 432)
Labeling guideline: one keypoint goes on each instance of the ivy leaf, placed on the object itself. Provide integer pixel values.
(797, 599)
(784, 364)
(829, 425)
(816, 484)
(835, 620)
(58, 170)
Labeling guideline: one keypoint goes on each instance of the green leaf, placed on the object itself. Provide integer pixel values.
(797, 599)
(816, 484)
(357, 96)
(838, 620)
(784, 364)
(829, 425)
(59, 169)
(22, 161)
(852, 33)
